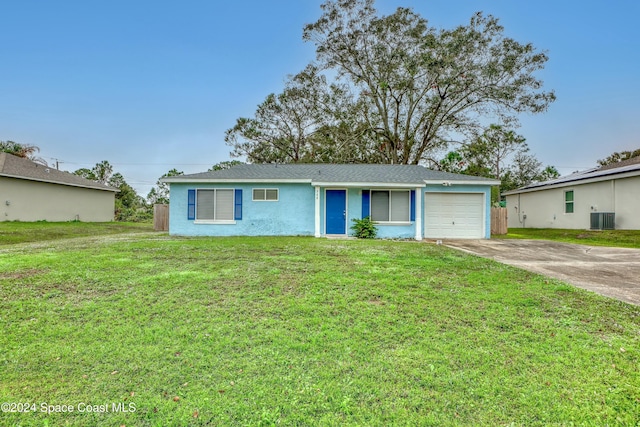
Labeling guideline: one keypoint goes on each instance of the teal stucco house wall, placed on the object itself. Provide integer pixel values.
(405, 201)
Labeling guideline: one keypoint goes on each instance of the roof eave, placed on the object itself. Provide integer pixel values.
(232, 180)
(351, 184)
(579, 181)
(6, 175)
(448, 182)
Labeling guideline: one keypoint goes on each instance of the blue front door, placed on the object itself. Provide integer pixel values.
(336, 207)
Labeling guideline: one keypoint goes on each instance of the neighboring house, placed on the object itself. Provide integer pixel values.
(405, 201)
(609, 196)
(34, 192)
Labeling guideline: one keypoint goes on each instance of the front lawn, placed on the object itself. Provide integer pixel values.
(12, 232)
(304, 331)
(616, 238)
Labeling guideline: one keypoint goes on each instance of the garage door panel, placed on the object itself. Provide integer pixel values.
(454, 215)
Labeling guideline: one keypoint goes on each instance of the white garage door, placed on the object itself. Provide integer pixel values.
(454, 215)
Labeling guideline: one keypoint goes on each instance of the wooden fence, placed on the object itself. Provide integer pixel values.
(498, 220)
(161, 217)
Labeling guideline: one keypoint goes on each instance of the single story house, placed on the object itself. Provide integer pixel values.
(600, 198)
(405, 201)
(33, 192)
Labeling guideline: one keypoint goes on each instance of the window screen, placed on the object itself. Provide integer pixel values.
(265, 194)
(390, 206)
(214, 205)
(380, 206)
(400, 206)
(205, 204)
(224, 205)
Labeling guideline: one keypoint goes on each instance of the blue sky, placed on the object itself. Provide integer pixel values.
(153, 85)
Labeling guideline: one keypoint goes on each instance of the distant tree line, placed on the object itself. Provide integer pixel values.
(498, 153)
(619, 157)
(129, 205)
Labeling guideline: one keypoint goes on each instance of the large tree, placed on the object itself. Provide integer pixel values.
(310, 121)
(283, 123)
(488, 152)
(424, 86)
(400, 90)
(101, 172)
(524, 170)
(498, 153)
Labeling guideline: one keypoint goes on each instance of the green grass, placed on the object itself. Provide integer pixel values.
(304, 331)
(12, 232)
(617, 238)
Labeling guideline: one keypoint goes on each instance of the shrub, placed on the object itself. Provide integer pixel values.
(364, 228)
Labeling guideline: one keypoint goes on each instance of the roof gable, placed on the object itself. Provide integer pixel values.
(16, 167)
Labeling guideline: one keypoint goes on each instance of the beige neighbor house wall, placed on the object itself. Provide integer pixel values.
(26, 200)
(627, 205)
(545, 208)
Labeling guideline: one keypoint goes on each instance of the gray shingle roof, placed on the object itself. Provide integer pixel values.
(16, 167)
(603, 173)
(329, 173)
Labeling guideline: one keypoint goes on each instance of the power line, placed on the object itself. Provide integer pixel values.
(133, 164)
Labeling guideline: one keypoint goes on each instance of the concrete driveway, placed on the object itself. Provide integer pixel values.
(613, 272)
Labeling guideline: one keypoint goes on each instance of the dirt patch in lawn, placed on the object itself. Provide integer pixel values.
(24, 274)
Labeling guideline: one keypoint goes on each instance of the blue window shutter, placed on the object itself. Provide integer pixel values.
(366, 203)
(191, 204)
(237, 212)
(413, 205)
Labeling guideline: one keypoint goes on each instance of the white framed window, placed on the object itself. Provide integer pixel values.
(265, 194)
(390, 205)
(215, 205)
